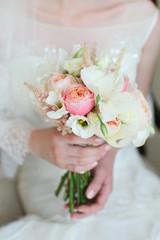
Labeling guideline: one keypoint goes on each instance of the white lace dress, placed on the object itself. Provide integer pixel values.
(132, 211)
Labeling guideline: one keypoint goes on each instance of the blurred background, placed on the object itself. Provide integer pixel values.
(153, 144)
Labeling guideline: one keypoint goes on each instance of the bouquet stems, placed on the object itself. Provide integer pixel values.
(75, 185)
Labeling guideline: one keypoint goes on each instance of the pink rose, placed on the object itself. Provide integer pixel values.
(79, 100)
(60, 81)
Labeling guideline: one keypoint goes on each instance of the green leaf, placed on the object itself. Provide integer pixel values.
(78, 54)
(98, 98)
(96, 107)
(103, 128)
(65, 72)
(75, 74)
(123, 122)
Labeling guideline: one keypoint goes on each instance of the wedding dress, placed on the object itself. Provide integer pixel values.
(132, 211)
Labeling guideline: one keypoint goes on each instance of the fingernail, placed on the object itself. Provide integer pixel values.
(98, 140)
(90, 194)
(81, 172)
(104, 153)
(108, 147)
(94, 164)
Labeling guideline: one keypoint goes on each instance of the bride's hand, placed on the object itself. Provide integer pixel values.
(100, 188)
(64, 151)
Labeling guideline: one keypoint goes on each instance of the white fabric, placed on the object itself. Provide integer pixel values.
(132, 211)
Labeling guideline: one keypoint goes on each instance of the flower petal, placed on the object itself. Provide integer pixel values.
(57, 114)
(117, 105)
(84, 132)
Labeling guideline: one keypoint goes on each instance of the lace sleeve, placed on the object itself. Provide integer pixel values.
(14, 135)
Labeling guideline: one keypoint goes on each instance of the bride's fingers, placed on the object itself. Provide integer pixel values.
(78, 161)
(77, 169)
(92, 208)
(73, 139)
(81, 169)
(79, 215)
(88, 151)
(96, 183)
(84, 211)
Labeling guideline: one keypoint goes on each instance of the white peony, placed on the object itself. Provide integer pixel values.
(81, 126)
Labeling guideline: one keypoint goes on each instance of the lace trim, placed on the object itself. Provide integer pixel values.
(14, 135)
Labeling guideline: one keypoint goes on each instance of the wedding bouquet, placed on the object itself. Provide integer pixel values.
(89, 95)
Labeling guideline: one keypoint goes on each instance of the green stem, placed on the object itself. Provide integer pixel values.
(83, 187)
(63, 179)
(71, 193)
(78, 189)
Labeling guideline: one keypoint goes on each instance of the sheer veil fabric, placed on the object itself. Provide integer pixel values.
(133, 206)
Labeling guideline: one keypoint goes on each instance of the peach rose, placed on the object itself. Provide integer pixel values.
(60, 81)
(79, 100)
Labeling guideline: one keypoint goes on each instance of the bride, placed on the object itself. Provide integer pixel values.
(28, 30)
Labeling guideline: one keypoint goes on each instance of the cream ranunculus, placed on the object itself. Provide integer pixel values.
(73, 66)
(81, 126)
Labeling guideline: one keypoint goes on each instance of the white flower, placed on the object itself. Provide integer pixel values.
(103, 62)
(92, 117)
(141, 137)
(99, 82)
(118, 104)
(128, 116)
(53, 98)
(90, 76)
(81, 126)
(52, 63)
(57, 114)
(73, 66)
